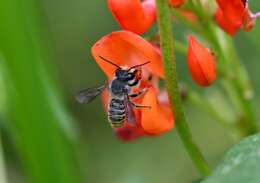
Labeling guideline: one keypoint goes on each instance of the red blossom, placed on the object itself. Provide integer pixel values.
(126, 49)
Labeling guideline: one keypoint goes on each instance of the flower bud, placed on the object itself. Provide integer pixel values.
(201, 63)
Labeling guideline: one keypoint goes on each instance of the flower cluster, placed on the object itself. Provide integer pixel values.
(127, 48)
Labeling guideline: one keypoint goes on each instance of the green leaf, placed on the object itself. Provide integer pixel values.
(38, 120)
(241, 164)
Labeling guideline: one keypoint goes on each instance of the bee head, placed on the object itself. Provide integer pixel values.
(125, 75)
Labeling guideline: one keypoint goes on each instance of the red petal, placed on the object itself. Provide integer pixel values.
(159, 118)
(201, 63)
(129, 133)
(125, 48)
(227, 26)
(233, 10)
(133, 15)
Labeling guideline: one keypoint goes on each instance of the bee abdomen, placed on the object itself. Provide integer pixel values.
(116, 113)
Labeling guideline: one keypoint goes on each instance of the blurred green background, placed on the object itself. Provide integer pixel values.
(48, 137)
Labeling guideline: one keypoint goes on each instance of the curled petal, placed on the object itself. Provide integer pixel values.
(125, 48)
(176, 3)
(201, 63)
(159, 118)
(227, 26)
(133, 15)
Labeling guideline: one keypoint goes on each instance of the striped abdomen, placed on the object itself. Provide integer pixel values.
(116, 112)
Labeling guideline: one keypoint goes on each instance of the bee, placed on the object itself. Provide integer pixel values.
(120, 106)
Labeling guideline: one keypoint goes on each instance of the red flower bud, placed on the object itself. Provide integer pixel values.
(201, 63)
(133, 15)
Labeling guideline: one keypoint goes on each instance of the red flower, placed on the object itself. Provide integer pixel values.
(201, 63)
(233, 15)
(133, 15)
(176, 3)
(127, 49)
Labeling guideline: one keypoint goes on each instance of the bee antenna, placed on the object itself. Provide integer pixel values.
(140, 65)
(108, 61)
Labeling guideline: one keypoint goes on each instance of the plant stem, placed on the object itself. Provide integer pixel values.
(166, 40)
(178, 45)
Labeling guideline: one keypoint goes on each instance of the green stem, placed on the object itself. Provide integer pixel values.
(178, 45)
(165, 30)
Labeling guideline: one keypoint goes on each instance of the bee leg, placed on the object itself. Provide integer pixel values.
(133, 95)
(139, 106)
(136, 105)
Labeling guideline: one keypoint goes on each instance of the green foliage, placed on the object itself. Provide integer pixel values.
(241, 163)
(39, 123)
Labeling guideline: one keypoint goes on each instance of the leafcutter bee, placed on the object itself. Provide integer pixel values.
(120, 106)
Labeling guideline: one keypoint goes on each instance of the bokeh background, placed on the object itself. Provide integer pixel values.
(62, 33)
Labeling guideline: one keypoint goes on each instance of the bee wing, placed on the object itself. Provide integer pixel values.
(130, 115)
(89, 94)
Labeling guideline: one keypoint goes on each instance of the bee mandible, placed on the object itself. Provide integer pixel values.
(120, 106)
